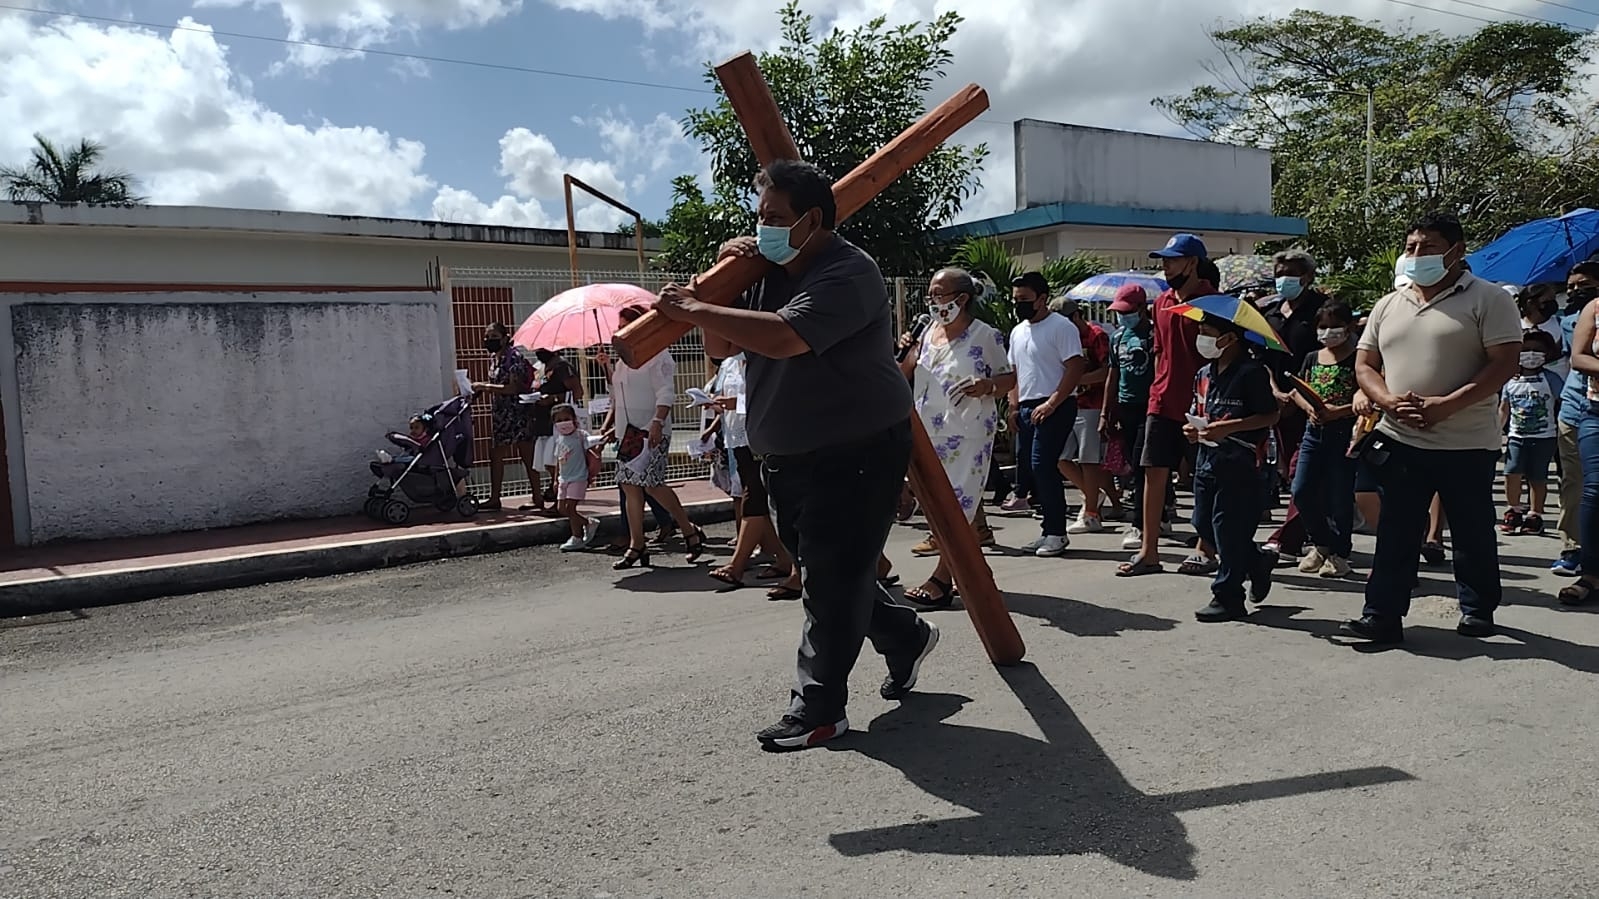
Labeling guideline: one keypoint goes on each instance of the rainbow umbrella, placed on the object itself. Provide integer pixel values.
(1240, 312)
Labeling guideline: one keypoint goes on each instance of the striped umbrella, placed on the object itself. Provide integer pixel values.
(1232, 309)
(1102, 288)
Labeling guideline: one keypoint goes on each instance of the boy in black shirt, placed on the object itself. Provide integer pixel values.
(1234, 408)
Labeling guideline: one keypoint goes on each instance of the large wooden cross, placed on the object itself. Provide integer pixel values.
(752, 103)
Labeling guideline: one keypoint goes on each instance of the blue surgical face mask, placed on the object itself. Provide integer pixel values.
(774, 245)
(1423, 271)
(1127, 319)
(1290, 288)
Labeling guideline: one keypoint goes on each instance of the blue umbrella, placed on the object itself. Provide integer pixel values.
(1539, 251)
(1102, 288)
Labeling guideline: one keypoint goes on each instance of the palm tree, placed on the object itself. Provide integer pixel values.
(988, 258)
(71, 177)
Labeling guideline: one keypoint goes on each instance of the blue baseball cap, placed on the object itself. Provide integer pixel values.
(1181, 246)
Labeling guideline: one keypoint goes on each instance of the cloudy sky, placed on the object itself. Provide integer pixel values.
(210, 103)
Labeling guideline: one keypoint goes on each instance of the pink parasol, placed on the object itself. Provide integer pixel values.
(580, 317)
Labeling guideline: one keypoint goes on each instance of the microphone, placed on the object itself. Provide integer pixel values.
(918, 328)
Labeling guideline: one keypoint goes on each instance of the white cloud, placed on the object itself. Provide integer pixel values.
(533, 169)
(368, 23)
(1089, 62)
(170, 109)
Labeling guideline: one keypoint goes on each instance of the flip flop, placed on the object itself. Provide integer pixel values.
(784, 594)
(1576, 594)
(725, 575)
(1139, 568)
(1197, 565)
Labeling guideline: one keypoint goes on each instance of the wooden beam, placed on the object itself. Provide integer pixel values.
(756, 110)
(652, 333)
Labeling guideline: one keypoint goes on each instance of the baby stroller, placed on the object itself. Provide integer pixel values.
(430, 475)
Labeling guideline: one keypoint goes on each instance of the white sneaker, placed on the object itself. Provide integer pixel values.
(1051, 546)
(1133, 539)
(1086, 524)
(1335, 567)
(591, 532)
(1313, 561)
(1032, 547)
(572, 545)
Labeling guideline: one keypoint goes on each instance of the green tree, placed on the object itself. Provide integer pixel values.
(1489, 126)
(989, 260)
(843, 96)
(52, 176)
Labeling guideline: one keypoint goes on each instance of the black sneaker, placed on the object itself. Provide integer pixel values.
(793, 733)
(1374, 629)
(1221, 611)
(1475, 626)
(902, 673)
(1260, 578)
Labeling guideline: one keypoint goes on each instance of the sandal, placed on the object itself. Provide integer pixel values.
(1577, 594)
(695, 543)
(927, 599)
(1198, 565)
(726, 575)
(1433, 552)
(1138, 568)
(634, 556)
(784, 593)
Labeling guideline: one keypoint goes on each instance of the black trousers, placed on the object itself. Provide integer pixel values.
(834, 508)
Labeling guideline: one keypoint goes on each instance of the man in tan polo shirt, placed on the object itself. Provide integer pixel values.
(1433, 358)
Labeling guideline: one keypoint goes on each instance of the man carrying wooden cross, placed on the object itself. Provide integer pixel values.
(829, 410)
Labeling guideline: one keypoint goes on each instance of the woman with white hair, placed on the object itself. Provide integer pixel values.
(958, 371)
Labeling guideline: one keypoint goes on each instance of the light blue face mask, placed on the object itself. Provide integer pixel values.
(1127, 319)
(1290, 288)
(1423, 271)
(774, 245)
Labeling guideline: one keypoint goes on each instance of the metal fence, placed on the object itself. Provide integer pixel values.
(481, 296)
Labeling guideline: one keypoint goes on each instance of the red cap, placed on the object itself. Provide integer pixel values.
(1129, 298)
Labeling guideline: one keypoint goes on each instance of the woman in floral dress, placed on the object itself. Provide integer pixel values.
(958, 372)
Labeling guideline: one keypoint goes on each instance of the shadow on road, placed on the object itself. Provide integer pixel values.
(1084, 619)
(1059, 796)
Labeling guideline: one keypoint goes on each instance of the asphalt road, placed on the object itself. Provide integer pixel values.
(529, 724)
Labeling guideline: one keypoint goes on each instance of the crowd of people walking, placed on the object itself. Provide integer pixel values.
(1394, 421)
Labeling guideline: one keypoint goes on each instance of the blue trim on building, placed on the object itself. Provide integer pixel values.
(1087, 214)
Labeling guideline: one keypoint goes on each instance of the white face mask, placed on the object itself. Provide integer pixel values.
(1532, 360)
(946, 313)
(1206, 345)
(1331, 337)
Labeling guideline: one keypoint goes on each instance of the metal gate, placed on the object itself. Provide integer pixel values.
(481, 296)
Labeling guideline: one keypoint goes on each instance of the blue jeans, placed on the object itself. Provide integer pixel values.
(1324, 487)
(1588, 517)
(1463, 480)
(1046, 441)
(1227, 507)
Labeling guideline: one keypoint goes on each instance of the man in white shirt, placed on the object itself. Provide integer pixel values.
(1047, 353)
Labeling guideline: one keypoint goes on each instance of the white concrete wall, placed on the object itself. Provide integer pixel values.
(1058, 163)
(153, 414)
(1123, 247)
(122, 255)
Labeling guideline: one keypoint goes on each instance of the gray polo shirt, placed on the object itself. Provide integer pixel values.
(1435, 348)
(848, 387)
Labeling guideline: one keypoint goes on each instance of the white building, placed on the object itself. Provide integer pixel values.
(174, 368)
(1119, 194)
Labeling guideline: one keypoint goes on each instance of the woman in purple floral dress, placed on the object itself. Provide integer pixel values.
(958, 373)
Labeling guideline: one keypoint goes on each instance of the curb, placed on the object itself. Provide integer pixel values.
(115, 587)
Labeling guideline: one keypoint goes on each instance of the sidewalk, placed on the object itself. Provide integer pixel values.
(59, 577)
